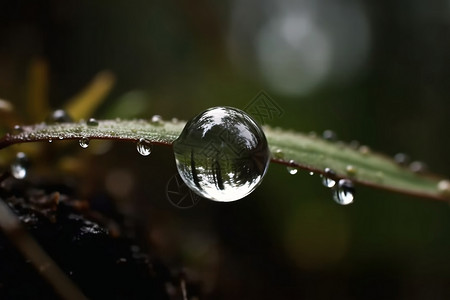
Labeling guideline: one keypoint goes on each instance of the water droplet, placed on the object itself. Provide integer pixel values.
(354, 144)
(311, 173)
(19, 166)
(60, 137)
(17, 129)
(292, 170)
(59, 116)
(364, 150)
(329, 135)
(278, 154)
(444, 187)
(418, 167)
(50, 140)
(344, 193)
(222, 154)
(156, 120)
(92, 122)
(144, 147)
(327, 178)
(402, 159)
(351, 170)
(84, 142)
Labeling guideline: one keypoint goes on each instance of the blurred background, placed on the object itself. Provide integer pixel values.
(373, 71)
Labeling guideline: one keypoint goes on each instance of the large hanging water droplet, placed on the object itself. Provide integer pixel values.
(327, 179)
(84, 142)
(19, 167)
(59, 116)
(344, 193)
(144, 147)
(222, 154)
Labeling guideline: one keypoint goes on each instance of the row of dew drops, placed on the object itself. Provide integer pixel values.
(343, 190)
(19, 167)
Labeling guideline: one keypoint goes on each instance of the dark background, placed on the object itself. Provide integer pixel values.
(372, 71)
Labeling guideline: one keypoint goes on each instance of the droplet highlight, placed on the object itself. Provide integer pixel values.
(84, 142)
(144, 147)
(222, 154)
(19, 166)
(344, 192)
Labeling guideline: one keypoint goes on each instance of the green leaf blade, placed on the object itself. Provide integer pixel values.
(307, 152)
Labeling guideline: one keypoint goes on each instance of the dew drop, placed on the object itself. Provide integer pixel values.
(92, 122)
(17, 129)
(278, 154)
(59, 116)
(327, 178)
(311, 173)
(156, 120)
(19, 166)
(344, 193)
(364, 150)
(292, 170)
(351, 170)
(329, 135)
(401, 159)
(444, 187)
(222, 154)
(50, 140)
(418, 167)
(144, 147)
(84, 142)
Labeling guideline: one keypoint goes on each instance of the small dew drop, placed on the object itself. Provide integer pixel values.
(156, 120)
(344, 193)
(92, 122)
(17, 129)
(351, 170)
(50, 140)
(311, 173)
(61, 137)
(418, 167)
(59, 116)
(327, 178)
(444, 187)
(329, 135)
(402, 159)
(292, 170)
(364, 150)
(222, 154)
(19, 166)
(84, 142)
(278, 154)
(144, 147)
